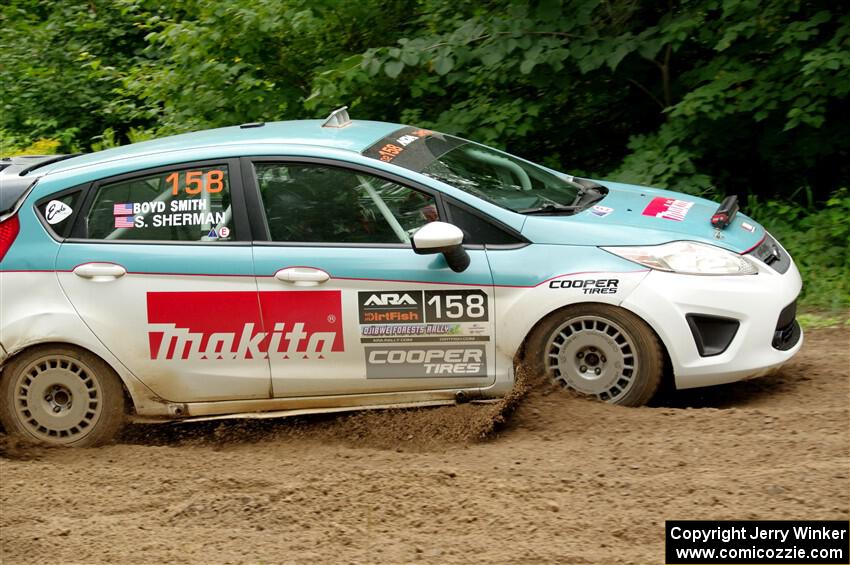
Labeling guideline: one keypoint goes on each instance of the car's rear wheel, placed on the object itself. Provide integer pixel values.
(598, 350)
(61, 395)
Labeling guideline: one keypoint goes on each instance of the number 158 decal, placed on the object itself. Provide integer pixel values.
(456, 306)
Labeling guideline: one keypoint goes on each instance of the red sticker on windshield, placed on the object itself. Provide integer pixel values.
(668, 208)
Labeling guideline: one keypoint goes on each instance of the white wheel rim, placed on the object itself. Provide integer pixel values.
(593, 356)
(58, 399)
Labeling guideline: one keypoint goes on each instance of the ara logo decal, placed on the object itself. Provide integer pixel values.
(668, 208)
(390, 299)
(232, 325)
(391, 307)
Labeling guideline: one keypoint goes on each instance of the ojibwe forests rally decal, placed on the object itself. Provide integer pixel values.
(668, 208)
(230, 325)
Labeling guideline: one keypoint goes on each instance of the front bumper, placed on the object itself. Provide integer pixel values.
(760, 303)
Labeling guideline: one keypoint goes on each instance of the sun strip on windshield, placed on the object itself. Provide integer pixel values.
(412, 148)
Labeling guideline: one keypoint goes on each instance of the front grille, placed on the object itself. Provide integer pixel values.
(772, 254)
(787, 332)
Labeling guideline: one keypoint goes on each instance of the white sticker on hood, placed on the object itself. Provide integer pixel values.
(56, 212)
(601, 211)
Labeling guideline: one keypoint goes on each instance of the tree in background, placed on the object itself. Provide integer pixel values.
(702, 96)
(60, 67)
(749, 96)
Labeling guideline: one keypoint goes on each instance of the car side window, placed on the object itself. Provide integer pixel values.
(60, 211)
(477, 230)
(180, 204)
(322, 204)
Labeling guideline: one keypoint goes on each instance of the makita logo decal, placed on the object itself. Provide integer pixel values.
(236, 325)
(668, 208)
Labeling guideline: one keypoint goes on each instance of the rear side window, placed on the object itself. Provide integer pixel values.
(185, 204)
(59, 212)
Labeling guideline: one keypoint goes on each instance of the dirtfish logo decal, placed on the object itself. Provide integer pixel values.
(390, 307)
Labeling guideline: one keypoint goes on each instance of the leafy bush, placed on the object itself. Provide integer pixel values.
(819, 241)
(735, 97)
(11, 145)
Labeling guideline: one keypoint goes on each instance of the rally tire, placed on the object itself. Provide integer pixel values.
(61, 395)
(598, 350)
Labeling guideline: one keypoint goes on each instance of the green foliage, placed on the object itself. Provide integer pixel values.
(819, 241)
(703, 96)
(689, 95)
(11, 145)
(61, 63)
(664, 159)
(817, 320)
(218, 63)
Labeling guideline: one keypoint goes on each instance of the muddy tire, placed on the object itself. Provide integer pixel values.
(598, 350)
(61, 395)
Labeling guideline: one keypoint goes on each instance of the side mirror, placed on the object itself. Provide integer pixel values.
(440, 237)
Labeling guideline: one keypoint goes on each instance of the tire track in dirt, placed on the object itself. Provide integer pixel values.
(558, 479)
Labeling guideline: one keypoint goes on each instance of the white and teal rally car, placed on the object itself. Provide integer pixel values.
(309, 266)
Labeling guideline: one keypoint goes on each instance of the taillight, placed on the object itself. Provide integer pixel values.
(9, 229)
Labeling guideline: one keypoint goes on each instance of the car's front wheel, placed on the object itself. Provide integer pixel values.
(61, 395)
(598, 350)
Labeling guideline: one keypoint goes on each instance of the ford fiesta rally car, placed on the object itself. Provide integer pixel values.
(294, 267)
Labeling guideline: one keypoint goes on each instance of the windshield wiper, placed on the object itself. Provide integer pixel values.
(550, 209)
(579, 195)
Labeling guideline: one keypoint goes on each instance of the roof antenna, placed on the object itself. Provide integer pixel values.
(338, 118)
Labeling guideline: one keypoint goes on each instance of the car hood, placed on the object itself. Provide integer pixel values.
(639, 215)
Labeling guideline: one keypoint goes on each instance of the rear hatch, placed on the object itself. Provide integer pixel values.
(18, 174)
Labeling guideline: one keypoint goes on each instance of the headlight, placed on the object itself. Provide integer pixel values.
(687, 257)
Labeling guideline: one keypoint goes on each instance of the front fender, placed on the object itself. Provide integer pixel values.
(552, 277)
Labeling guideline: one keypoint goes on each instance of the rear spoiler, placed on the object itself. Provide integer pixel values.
(15, 180)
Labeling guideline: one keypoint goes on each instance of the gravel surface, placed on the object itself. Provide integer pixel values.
(560, 479)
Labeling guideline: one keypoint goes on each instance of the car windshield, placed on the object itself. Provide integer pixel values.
(494, 176)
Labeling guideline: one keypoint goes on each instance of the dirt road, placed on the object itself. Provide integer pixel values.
(565, 480)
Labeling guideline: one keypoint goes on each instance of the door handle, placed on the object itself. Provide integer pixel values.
(302, 276)
(100, 271)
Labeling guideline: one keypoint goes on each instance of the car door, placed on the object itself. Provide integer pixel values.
(159, 266)
(352, 307)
